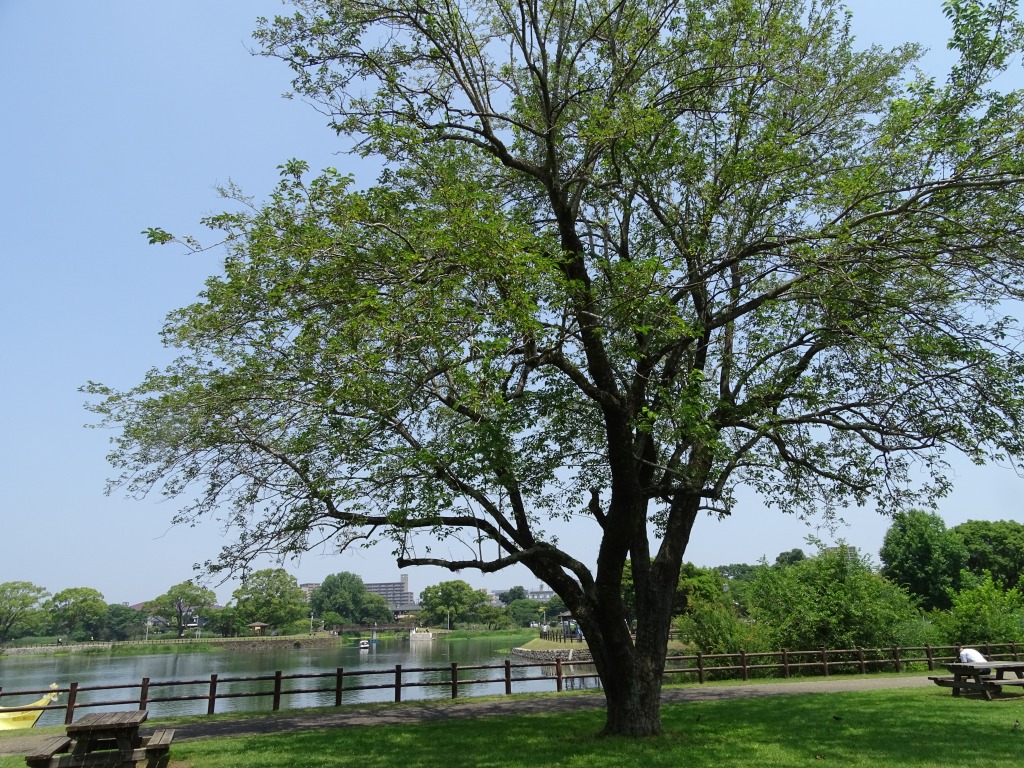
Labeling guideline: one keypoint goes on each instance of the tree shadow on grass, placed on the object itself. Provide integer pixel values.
(915, 727)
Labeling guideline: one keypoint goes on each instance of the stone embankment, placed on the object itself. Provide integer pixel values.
(28, 650)
(581, 655)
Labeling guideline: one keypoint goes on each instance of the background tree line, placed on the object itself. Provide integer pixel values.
(933, 585)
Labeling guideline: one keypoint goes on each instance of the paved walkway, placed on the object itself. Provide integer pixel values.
(432, 710)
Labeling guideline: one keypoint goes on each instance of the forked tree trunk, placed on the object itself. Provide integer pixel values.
(632, 671)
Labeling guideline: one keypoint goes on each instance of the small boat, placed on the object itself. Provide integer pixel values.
(364, 645)
(25, 719)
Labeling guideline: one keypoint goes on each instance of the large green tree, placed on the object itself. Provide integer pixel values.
(19, 602)
(996, 547)
(78, 611)
(624, 256)
(919, 553)
(123, 623)
(272, 596)
(346, 595)
(449, 601)
(183, 603)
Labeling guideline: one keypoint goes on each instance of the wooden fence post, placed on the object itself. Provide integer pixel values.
(277, 690)
(824, 662)
(144, 693)
(785, 662)
(743, 665)
(558, 675)
(398, 682)
(508, 677)
(455, 679)
(69, 714)
(339, 685)
(896, 658)
(211, 705)
(1013, 649)
(861, 665)
(700, 667)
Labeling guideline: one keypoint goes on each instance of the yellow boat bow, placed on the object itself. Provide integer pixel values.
(9, 720)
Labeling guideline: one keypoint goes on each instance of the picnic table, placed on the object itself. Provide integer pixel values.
(108, 739)
(982, 677)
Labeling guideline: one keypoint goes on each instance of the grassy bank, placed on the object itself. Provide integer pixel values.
(920, 727)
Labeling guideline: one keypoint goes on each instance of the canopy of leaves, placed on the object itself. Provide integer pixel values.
(19, 600)
(918, 553)
(983, 611)
(271, 596)
(831, 600)
(996, 547)
(183, 603)
(622, 259)
(516, 593)
(345, 595)
(450, 601)
(77, 609)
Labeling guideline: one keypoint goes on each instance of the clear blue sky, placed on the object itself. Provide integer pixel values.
(119, 115)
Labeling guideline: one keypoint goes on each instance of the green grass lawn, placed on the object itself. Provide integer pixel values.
(917, 727)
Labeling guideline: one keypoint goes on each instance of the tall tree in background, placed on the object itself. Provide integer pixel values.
(623, 258)
(182, 603)
(272, 596)
(19, 600)
(918, 553)
(77, 609)
(516, 593)
(995, 546)
(346, 595)
(450, 601)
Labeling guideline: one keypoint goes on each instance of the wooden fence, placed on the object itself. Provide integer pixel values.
(699, 667)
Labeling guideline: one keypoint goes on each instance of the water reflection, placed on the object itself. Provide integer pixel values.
(195, 670)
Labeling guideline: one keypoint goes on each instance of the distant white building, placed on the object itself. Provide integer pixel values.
(541, 594)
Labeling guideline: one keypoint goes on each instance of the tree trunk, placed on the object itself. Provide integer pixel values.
(633, 700)
(631, 671)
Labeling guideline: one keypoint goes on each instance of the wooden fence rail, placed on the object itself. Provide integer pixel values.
(699, 667)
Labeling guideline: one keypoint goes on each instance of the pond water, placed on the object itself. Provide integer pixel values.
(30, 672)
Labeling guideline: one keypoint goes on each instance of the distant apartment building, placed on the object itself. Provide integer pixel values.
(309, 589)
(397, 593)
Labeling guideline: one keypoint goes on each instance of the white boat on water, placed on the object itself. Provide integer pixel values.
(25, 719)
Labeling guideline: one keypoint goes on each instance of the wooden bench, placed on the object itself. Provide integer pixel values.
(49, 748)
(157, 749)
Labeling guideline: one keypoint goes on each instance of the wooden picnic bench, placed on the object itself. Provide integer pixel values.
(105, 740)
(985, 678)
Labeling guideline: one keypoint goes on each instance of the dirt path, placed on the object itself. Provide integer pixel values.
(432, 710)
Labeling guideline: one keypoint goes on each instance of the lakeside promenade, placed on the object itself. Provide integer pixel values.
(356, 715)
